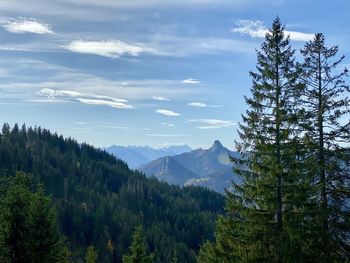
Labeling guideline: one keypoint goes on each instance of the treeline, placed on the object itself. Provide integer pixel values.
(294, 202)
(100, 201)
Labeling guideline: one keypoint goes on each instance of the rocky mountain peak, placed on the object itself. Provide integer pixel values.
(216, 146)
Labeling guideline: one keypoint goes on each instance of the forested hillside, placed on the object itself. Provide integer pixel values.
(100, 200)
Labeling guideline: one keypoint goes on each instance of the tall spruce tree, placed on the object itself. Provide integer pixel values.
(327, 140)
(264, 209)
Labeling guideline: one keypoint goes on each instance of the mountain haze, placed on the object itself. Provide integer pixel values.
(209, 168)
(136, 156)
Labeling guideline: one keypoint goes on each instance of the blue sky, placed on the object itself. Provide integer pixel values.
(144, 72)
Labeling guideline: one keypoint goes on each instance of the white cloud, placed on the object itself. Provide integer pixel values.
(202, 105)
(160, 98)
(198, 104)
(167, 124)
(167, 112)
(167, 135)
(84, 98)
(26, 25)
(109, 98)
(213, 123)
(257, 29)
(111, 48)
(113, 104)
(191, 81)
(52, 93)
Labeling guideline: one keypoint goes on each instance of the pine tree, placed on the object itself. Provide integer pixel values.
(138, 248)
(91, 255)
(327, 140)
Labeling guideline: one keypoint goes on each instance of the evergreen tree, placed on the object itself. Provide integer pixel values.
(45, 241)
(263, 211)
(138, 248)
(14, 231)
(91, 255)
(28, 227)
(327, 140)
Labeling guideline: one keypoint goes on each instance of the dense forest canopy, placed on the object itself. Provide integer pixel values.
(100, 200)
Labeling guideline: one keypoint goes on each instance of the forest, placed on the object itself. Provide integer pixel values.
(99, 201)
(292, 205)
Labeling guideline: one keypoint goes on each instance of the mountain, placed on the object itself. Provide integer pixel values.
(99, 200)
(136, 156)
(209, 168)
(167, 168)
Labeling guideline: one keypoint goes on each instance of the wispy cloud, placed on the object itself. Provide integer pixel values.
(110, 48)
(257, 29)
(202, 105)
(198, 104)
(24, 25)
(191, 81)
(167, 135)
(213, 123)
(167, 124)
(90, 99)
(167, 112)
(160, 98)
(113, 104)
(52, 93)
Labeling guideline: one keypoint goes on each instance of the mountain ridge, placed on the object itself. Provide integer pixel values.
(136, 156)
(209, 168)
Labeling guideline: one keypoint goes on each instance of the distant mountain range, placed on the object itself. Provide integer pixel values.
(209, 168)
(136, 156)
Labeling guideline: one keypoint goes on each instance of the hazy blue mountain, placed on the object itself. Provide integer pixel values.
(203, 167)
(167, 169)
(136, 156)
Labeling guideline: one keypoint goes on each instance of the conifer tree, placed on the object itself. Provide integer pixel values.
(263, 210)
(327, 140)
(28, 226)
(13, 220)
(45, 241)
(138, 248)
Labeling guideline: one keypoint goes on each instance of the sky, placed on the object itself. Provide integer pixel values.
(145, 72)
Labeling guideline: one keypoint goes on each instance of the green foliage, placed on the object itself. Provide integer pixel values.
(265, 207)
(46, 243)
(91, 255)
(293, 204)
(100, 200)
(29, 231)
(327, 140)
(138, 248)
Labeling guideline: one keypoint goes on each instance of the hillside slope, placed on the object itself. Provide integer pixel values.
(100, 200)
